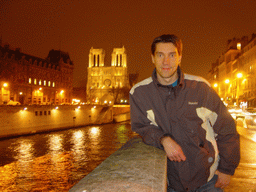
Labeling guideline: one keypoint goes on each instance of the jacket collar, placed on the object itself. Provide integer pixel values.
(180, 78)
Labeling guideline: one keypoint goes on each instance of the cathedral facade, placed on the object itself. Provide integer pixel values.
(107, 85)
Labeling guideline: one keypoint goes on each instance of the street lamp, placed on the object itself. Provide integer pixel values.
(216, 86)
(226, 82)
(239, 76)
(4, 94)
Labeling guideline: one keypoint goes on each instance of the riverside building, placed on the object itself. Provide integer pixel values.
(27, 79)
(233, 73)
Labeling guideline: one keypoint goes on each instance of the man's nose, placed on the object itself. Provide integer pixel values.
(166, 60)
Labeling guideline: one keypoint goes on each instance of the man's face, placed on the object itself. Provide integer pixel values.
(166, 60)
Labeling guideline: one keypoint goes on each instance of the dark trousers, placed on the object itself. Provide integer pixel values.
(208, 187)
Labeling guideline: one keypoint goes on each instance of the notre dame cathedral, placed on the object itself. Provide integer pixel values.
(107, 85)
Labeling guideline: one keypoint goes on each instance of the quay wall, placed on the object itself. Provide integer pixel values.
(134, 167)
(121, 109)
(21, 120)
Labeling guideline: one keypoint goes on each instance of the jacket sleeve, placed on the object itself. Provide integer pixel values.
(150, 132)
(228, 140)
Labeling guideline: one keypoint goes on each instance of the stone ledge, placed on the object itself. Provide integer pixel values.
(135, 167)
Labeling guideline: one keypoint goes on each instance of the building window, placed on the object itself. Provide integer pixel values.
(49, 83)
(29, 80)
(40, 82)
(44, 82)
(34, 81)
(53, 84)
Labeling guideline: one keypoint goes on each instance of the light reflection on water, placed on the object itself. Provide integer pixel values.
(254, 137)
(57, 160)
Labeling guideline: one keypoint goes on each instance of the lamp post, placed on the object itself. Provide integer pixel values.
(226, 83)
(216, 86)
(239, 76)
(4, 93)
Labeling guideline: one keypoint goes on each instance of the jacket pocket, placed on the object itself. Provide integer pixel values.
(204, 160)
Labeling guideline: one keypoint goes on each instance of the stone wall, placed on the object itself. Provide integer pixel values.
(21, 120)
(135, 167)
(120, 109)
(16, 120)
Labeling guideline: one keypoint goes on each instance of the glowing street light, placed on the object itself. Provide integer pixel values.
(5, 84)
(227, 81)
(215, 85)
(239, 75)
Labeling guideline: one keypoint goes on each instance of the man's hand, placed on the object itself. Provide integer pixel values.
(172, 149)
(223, 180)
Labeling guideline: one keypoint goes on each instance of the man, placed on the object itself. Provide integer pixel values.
(183, 115)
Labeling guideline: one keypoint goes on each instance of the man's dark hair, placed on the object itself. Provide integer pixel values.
(167, 39)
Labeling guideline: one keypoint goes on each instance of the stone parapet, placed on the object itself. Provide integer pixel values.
(135, 167)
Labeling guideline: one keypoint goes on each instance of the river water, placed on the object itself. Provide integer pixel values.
(56, 161)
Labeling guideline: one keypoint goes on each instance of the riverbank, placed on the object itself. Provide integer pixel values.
(24, 120)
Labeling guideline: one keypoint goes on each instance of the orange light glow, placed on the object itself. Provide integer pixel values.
(239, 75)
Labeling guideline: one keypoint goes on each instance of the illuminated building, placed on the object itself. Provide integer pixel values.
(33, 80)
(106, 85)
(233, 73)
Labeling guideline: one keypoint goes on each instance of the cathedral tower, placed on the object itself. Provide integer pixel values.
(105, 83)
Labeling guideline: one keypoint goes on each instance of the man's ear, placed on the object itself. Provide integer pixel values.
(179, 59)
(153, 58)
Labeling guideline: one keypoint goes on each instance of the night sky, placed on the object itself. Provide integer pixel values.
(38, 26)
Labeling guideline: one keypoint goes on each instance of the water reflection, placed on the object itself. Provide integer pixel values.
(254, 137)
(55, 143)
(122, 137)
(58, 160)
(25, 155)
(24, 150)
(94, 136)
(78, 145)
(94, 132)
